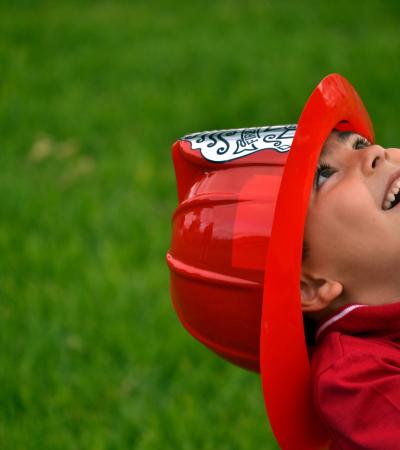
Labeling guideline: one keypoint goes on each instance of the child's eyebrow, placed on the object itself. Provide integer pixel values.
(343, 136)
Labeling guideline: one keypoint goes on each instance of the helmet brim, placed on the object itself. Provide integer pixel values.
(285, 368)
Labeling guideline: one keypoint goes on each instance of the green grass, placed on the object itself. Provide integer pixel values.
(92, 95)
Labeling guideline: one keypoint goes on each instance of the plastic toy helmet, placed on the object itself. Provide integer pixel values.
(235, 256)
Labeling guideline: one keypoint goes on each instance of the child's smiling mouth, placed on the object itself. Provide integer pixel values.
(392, 196)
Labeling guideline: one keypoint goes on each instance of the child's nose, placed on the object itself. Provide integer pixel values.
(371, 157)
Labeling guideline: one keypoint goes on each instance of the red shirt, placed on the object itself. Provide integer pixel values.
(356, 375)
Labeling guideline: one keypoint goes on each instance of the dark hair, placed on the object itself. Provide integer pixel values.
(310, 329)
(310, 325)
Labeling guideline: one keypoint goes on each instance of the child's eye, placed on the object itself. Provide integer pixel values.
(324, 171)
(361, 142)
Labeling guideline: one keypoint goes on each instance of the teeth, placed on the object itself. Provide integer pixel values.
(390, 197)
(386, 204)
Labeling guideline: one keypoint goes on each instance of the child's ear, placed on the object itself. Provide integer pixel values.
(318, 293)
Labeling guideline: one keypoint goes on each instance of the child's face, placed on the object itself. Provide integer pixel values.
(352, 238)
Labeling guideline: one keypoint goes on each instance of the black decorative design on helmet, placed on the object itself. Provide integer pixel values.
(226, 145)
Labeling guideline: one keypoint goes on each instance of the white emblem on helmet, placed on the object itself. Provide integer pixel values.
(226, 145)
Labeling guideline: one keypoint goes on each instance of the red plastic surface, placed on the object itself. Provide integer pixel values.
(219, 242)
(284, 361)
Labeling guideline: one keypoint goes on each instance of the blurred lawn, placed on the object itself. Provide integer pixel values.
(92, 95)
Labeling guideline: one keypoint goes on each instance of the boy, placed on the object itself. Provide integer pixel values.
(246, 205)
(350, 284)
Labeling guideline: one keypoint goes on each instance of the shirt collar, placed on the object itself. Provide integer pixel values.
(356, 319)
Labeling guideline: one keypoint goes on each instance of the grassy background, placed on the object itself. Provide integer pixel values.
(92, 94)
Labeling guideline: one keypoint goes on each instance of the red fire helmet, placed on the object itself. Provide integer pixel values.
(235, 256)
